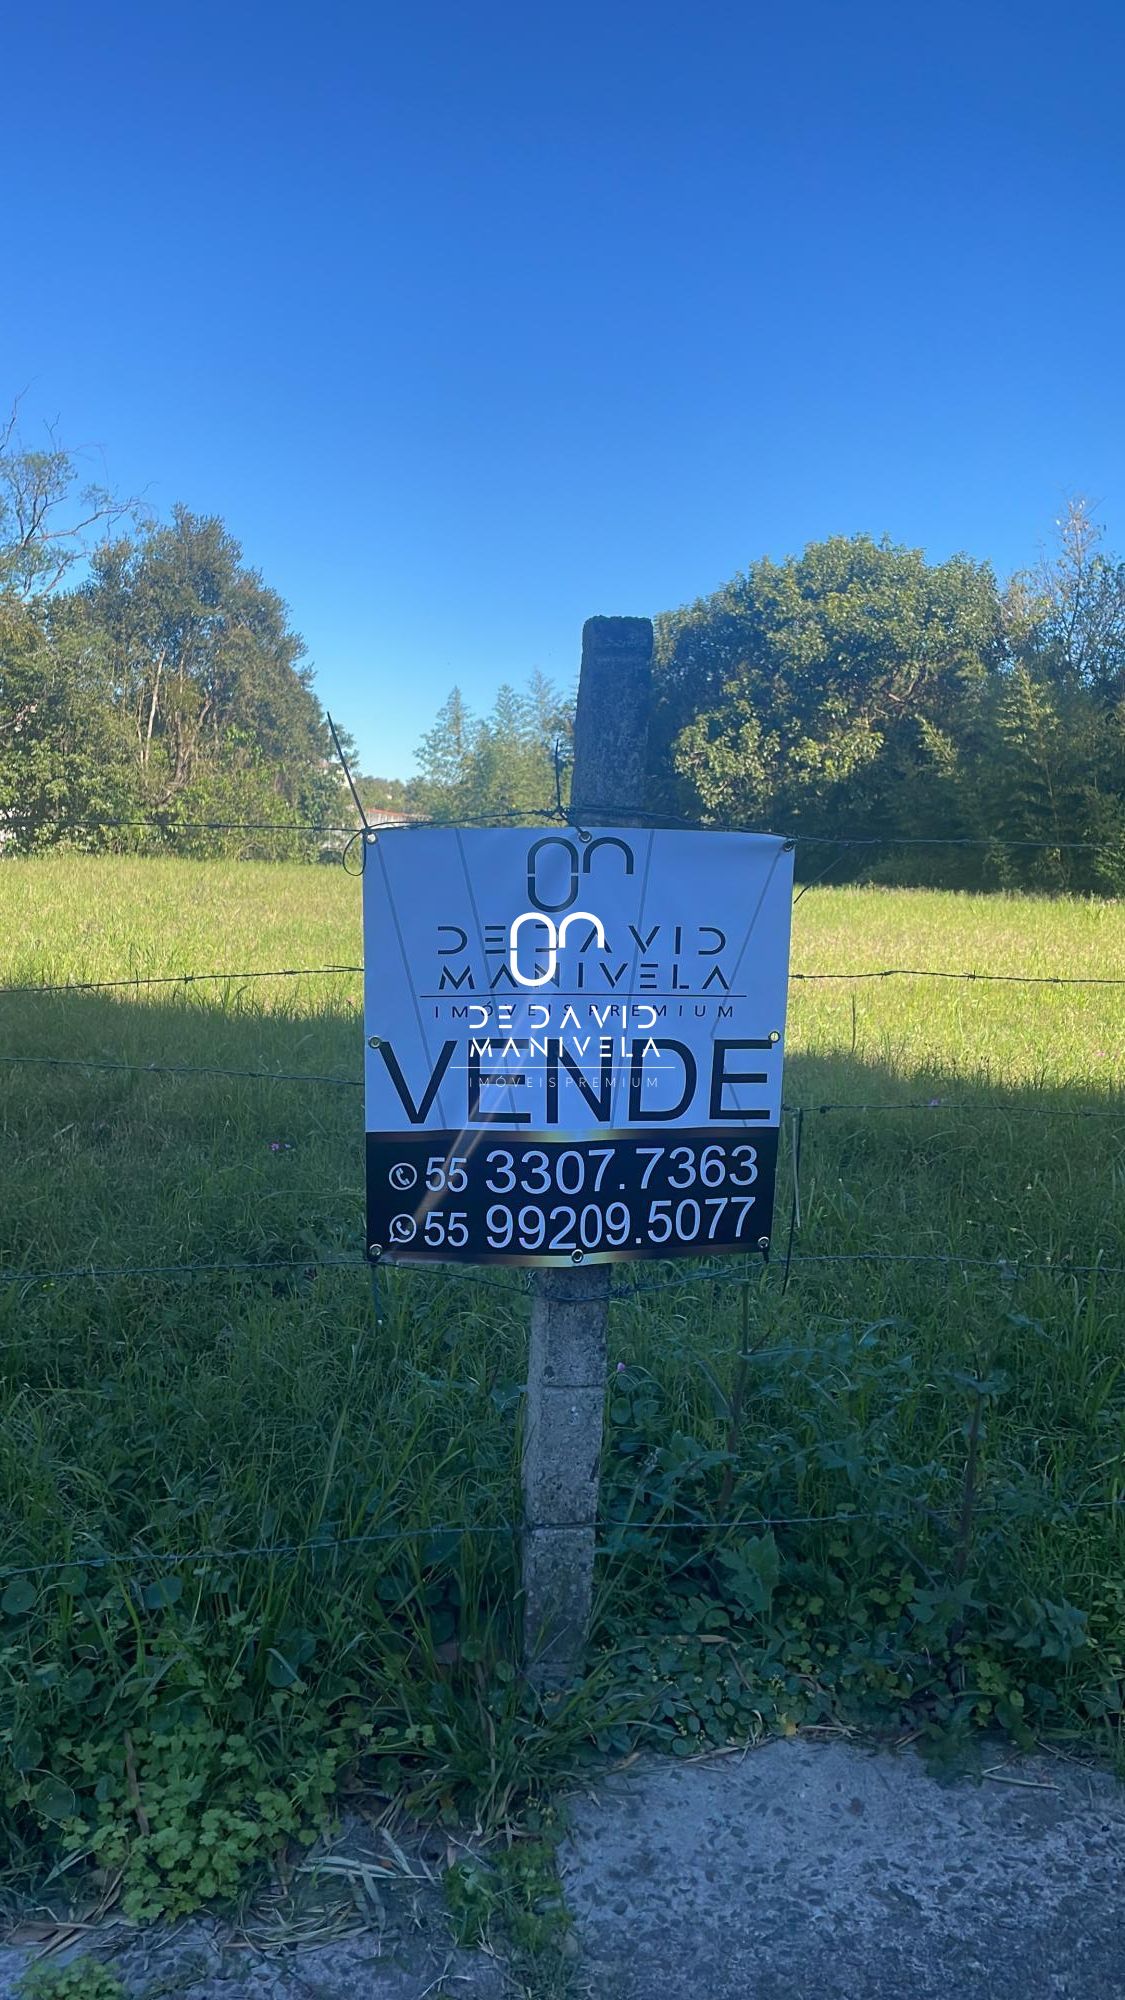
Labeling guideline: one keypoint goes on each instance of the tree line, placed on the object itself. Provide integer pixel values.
(973, 733)
(854, 691)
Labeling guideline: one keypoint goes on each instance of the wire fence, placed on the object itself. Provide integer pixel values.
(996, 1107)
(137, 979)
(1009, 1269)
(573, 815)
(609, 1526)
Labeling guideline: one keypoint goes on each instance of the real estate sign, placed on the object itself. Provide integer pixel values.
(574, 1042)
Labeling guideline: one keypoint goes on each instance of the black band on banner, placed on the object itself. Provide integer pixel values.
(545, 1199)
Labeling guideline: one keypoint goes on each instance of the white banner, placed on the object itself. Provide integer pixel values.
(558, 987)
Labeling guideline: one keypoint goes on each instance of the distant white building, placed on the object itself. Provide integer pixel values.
(388, 816)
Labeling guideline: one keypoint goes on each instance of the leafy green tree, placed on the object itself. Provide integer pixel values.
(442, 789)
(801, 693)
(202, 660)
(1074, 610)
(147, 673)
(164, 681)
(62, 753)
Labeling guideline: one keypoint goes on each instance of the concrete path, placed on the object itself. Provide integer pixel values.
(798, 1871)
(812, 1871)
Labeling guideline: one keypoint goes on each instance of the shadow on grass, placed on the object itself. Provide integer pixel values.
(115, 1166)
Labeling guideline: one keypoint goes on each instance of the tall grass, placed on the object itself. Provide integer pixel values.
(926, 1459)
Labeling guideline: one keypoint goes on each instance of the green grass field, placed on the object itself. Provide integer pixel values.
(922, 1461)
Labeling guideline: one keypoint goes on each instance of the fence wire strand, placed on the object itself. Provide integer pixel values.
(568, 815)
(997, 1108)
(181, 979)
(135, 979)
(998, 978)
(755, 1522)
(185, 1069)
(1010, 1269)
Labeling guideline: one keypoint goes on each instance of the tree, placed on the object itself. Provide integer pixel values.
(1076, 630)
(47, 518)
(445, 755)
(210, 680)
(1061, 726)
(62, 754)
(201, 657)
(164, 681)
(498, 766)
(823, 693)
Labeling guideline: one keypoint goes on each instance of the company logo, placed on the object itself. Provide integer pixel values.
(544, 912)
(555, 937)
(579, 865)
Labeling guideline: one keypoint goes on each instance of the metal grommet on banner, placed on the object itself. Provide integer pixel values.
(577, 1256)
(374, 1041)
(375, 1252)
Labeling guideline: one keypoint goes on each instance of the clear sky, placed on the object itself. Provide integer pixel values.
(474, 319)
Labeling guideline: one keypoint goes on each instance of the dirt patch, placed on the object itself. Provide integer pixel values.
(361, 1915)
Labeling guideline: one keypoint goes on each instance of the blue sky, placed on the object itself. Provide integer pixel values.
(472, 321)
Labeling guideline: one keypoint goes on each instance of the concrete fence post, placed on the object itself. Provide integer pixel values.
(567, 1363)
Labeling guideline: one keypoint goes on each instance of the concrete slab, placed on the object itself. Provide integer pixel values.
(820, 1871)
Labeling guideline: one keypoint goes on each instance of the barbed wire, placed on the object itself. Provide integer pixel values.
(326, 971)
(579, 816)
(574, 815)
(758, 1520)
(935, 1104)
(171, 825)
(1005, 978)
(517, 1284)
(180, 978)
(212, 1266)
(997, 1108)
(1010, 1269)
